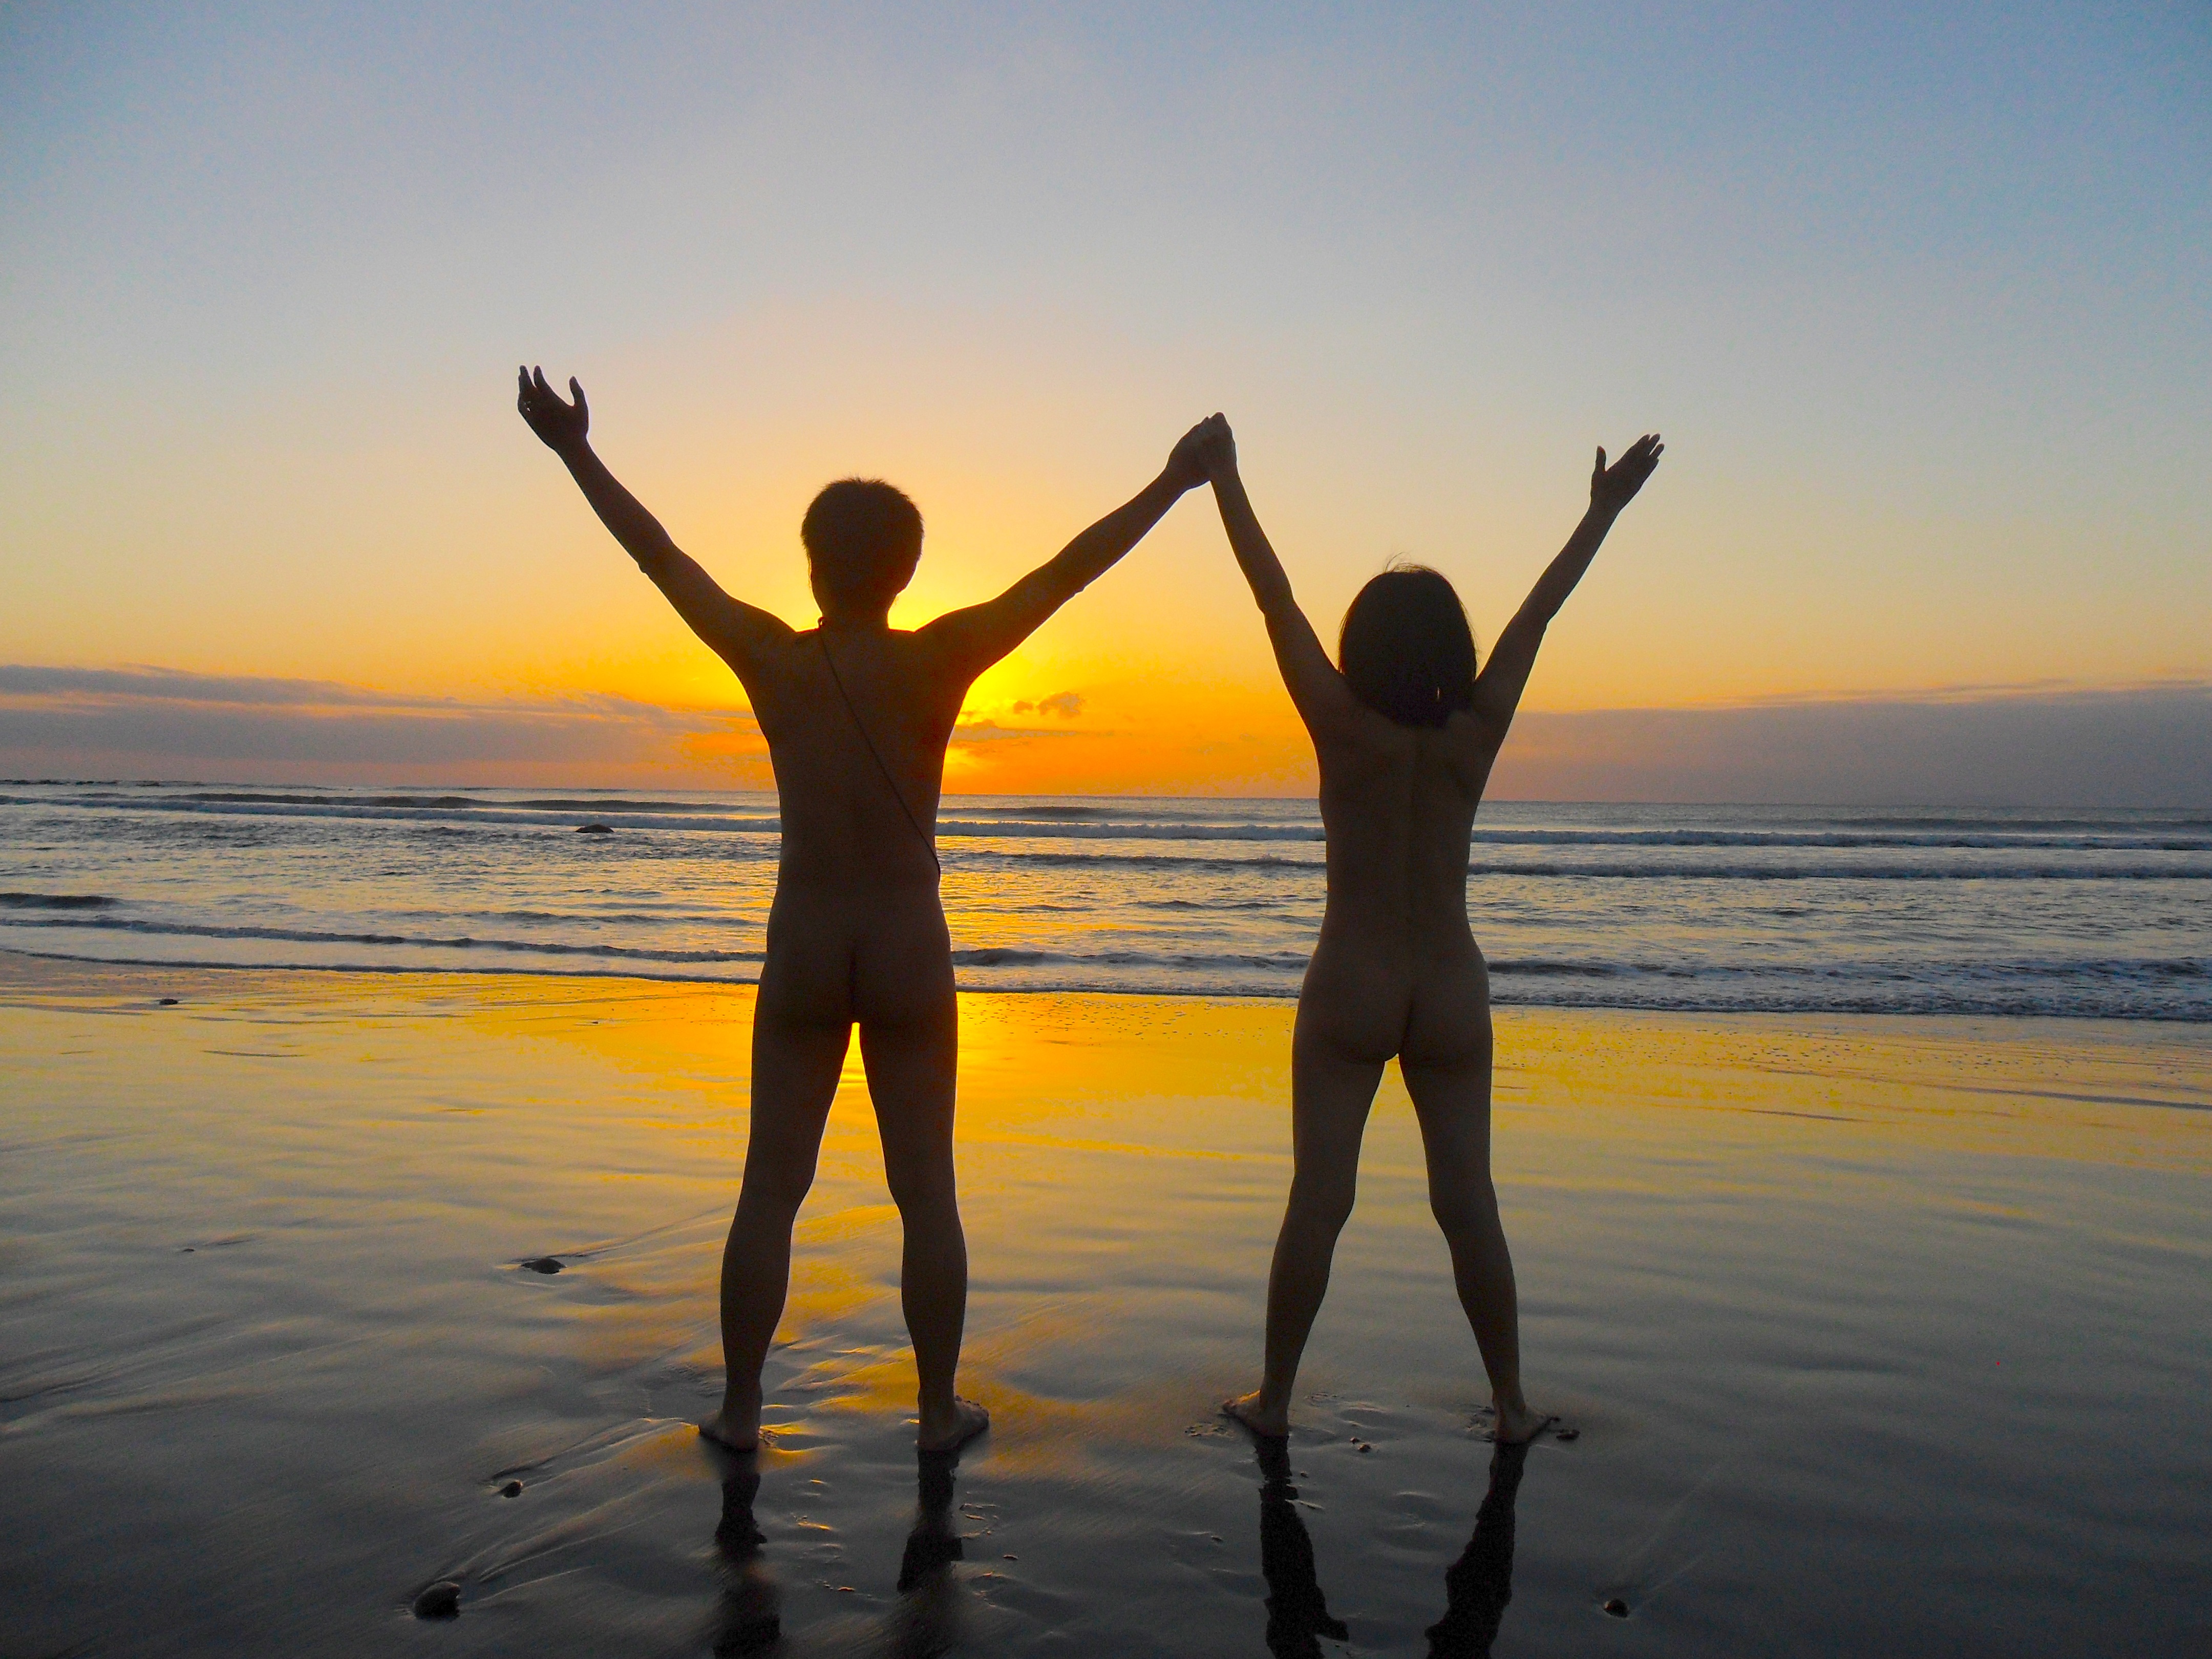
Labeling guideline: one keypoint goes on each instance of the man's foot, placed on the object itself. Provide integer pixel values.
(1273, 1422)
(942, 1432)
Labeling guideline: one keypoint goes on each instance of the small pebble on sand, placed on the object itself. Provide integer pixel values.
(168, 1002)
(544, 1264)
(595, 829)
(512, 1489)
(440, 1601)
(1617, 1608)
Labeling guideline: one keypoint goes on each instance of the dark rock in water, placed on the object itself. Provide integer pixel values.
(1567, 1434)
(544, 1264)
(440, 1601)
(595, 829)
(512, 1489)
(1617, 1608)
(168, 1002)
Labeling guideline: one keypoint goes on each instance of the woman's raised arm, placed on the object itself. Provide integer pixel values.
(1317, 690)
(1497, 689)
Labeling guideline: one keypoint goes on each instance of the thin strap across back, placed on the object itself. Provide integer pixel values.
(860, 725)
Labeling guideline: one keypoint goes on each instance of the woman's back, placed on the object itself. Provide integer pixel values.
(1405, 732)
(1398, 803)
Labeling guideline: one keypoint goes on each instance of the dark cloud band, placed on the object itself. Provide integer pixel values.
(2145, 746)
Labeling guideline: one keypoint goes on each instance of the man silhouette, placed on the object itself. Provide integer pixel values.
(857, 715)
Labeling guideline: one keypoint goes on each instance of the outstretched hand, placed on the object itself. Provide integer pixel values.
(560, 425)
(1612, 488)
(1191, 463)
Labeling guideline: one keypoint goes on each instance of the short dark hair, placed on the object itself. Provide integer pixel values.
(863, 540)
(1406, 651)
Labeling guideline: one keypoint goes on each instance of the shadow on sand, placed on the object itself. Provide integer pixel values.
(926, 1622)
(1476, 1588)
(747, 1620)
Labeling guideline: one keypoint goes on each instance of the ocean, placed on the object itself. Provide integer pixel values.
(2087, 914)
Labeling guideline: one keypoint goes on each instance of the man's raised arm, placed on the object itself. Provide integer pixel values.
(731, 628)
(974, 638)
(1497, 689)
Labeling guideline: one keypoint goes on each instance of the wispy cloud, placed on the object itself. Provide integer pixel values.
(20, 682)
(167, 722)
(1065, 704)
(992, 731)
(974, 727)
(2147, 746)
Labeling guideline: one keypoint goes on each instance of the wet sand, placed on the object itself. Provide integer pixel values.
(1882, 1335)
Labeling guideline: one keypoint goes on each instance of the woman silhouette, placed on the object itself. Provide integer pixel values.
(1405, 732)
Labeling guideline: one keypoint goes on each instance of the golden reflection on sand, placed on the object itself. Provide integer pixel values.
(1068, 1107)
(283, 1226)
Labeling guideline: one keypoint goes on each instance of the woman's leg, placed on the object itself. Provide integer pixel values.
(1330, 1095)
(1447, 1070)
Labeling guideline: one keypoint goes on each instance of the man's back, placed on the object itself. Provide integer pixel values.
(857, 720)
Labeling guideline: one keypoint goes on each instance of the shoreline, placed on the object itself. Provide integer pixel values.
(2164, 1022)
(2102, 1091)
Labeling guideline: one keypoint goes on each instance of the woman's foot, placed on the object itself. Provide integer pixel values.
(1516, 1425)
(736, 1427)
(1256, 1414)
(942, 1430)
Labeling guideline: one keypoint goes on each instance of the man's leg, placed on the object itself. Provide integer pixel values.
(910, 1044)
(911, 1072)
(795, 1067)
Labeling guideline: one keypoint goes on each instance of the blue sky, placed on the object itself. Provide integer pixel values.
(1923, 303)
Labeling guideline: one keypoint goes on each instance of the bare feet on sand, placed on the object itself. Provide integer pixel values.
(1273, 1421)
(942, 1432)
(1516, 1425)
(736, 1427)
(728, 1438)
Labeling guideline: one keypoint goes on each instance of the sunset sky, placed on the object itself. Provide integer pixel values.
(1922, 300)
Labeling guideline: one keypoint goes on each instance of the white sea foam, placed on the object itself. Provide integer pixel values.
(1719, 908)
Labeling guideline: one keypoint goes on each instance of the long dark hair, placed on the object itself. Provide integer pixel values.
(1406, 651)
